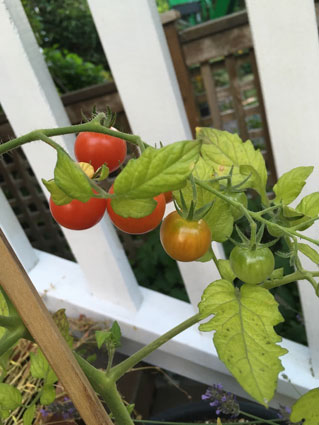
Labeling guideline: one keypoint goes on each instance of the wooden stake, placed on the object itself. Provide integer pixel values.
(19, 288)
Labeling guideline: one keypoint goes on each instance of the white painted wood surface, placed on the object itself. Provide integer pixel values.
(134, 43)
(30, 101)
(190, 353)
(15, 234)
(285, 36)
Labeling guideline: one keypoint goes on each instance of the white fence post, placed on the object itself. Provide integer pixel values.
(285, 35)
(30, 101)
(15, 235)
(134, 43)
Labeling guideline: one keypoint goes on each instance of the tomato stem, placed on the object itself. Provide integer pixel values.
(120, 369)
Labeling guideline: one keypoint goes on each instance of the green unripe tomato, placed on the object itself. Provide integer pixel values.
(252, 266)
(238, 197)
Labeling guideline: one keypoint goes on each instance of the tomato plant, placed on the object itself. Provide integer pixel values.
(78, 215)
(138, 226)
(238, 197)
(184, 240)
(98, 149)
(168, 197)
(252, 265)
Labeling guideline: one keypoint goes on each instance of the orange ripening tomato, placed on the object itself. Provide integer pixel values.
(77, 215)
(138, 226)
(184, 240)
(98, 149)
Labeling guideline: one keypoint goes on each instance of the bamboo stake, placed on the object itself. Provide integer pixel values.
(19, 288)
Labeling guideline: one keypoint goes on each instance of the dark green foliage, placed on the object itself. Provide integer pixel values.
(71, 72)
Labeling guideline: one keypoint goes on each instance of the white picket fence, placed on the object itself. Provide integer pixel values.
(101, 284)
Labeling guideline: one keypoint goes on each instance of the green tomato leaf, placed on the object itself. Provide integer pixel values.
(225, 270)
(309, 205)
(71, 179)
(222, 150)
(62, 323)
(40, 368)
(158, 170)
(28, 415)
(290, 184)
(101, 337)
(116, 334)
(57, 195)
(10, 397)
(245, 339)
(220, 220)
(309, 252)
(47, 395)
(104, 173)
(307, 408)
(135, 208)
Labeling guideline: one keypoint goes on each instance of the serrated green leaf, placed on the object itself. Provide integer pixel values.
(220, 220)
(309, 205)
(134, 208)
(290, 184)
(28, 415)
(158, 170)
(245, 338)
(47, 395)
(101, 337)
(10, 397)
(57, 195)
(307, 408)
(40, 368)
(223, 150)
(62, 323)
(71, 179)
(309, 252)
(225, 270)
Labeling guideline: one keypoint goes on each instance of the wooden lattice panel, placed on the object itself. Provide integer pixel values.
(30, 205)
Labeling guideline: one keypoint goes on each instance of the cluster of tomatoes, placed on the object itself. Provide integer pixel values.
(182, 239)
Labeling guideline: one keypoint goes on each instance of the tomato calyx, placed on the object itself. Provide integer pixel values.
(191, 213)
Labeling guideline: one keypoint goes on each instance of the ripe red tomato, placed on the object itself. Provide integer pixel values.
(184, 240)
(138, 226)
(168, 196)
(78, 215)
(98, 149)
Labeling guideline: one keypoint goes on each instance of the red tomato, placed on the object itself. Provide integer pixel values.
(138, 226)
(184, 240)
(168, 197)
(78, 215)
(98, 149)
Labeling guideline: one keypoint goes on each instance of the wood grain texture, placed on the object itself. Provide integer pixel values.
(19, 288)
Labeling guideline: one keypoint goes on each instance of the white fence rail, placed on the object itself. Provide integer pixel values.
(102, 284)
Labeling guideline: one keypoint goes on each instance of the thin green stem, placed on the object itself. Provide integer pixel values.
(9, 322)
(92, 126)
(249, 415)
(111, 352)
(215, 261)
(292, 277)
(251, 215)
(121, 368)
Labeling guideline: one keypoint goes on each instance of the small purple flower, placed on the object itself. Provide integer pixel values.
(44, 413)
(214, 403)
(217, 411)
